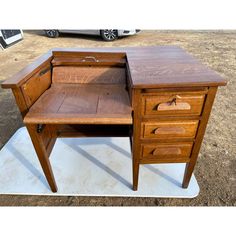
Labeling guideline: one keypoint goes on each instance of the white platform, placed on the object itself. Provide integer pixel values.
(87, 167)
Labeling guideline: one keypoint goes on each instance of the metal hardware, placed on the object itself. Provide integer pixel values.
(172, 101)
(42, 72)
(154, 131)
(40, 128)
(90, 58)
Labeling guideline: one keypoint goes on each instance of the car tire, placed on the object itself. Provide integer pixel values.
(109, 34)
(52, 33)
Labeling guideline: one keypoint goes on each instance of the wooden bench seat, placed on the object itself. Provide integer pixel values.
(82, 104)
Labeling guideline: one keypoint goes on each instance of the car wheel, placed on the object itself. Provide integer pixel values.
(52, 33)
(109, 34)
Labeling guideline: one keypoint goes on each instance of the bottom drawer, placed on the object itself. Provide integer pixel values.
(166, 153)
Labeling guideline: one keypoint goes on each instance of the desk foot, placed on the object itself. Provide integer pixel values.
(187, 174)
(135, 176)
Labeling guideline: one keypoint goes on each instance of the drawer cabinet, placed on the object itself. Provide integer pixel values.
(173, 104)
(170, 124)
(169, 129)
(169, 121)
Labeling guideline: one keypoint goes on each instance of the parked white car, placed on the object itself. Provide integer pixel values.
(106, 34)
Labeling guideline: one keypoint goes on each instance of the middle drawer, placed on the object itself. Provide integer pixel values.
(169, 129)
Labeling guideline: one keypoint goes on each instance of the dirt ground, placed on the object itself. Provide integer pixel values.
(216, 167)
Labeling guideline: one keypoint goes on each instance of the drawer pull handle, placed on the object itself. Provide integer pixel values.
(169, 130)
(166, 151)
(90, 58)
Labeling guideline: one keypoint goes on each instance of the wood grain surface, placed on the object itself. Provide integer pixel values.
(169, 129)
(157, 66)
(159, 153)
(173, 104)
(89, 74)
(80, 104)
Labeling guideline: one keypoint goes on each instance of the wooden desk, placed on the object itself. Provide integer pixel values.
(160, 97)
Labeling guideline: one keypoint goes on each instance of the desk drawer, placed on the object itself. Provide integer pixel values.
(169, 129)
(154, 153)
(173, 104)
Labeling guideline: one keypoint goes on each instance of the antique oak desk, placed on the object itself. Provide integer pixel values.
(160, 97)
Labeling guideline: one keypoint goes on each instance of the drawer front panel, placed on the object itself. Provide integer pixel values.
(179, 152)
(169, 129)
(173, 104)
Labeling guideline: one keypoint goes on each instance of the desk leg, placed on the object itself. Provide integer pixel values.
(201, 130)
(136, 133)
(135, 174)
(42, 154)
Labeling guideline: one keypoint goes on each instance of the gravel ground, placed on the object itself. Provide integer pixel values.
(216, 167)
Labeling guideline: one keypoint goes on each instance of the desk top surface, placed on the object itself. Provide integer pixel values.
(162, 66)
(150, 67)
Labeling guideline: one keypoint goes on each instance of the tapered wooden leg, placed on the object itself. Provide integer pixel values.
(187, 174)
(135, 175)
(199, 137)
(42, 154)
(136, 133)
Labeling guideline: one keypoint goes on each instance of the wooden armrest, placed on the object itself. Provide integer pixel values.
(22, 76)
(31, 82)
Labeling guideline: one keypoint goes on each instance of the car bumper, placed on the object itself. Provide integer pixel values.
(127, 32)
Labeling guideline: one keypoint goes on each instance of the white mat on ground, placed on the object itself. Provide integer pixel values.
(87, 167)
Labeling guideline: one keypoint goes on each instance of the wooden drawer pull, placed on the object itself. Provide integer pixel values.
(169, 130)
(166, 151)
(178, 106)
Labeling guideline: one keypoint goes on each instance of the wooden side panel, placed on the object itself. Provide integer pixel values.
(36, 85)
(86, 74)
(20, 101)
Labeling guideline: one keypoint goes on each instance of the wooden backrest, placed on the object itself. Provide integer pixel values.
(89, 74)
(89, 67)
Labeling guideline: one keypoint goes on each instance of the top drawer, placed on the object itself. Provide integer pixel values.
(181, 103)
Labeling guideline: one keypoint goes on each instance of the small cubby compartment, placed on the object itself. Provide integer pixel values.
(93, 130)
